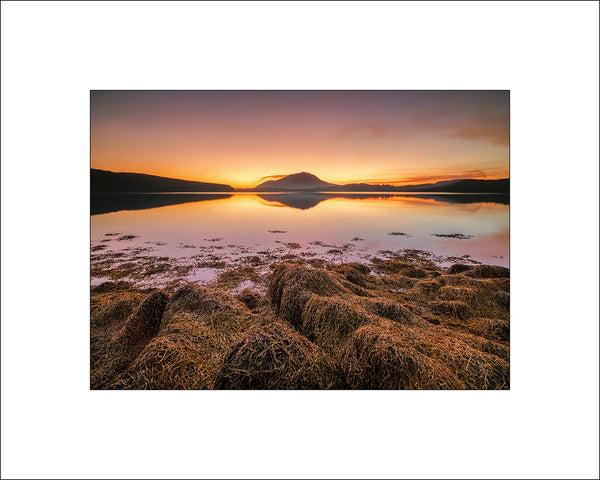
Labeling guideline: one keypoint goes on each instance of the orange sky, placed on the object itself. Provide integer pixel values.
(242, 138)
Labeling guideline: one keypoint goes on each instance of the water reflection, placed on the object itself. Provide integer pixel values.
(306, 200)
(193, 223)
(106, 202)
(114, 202)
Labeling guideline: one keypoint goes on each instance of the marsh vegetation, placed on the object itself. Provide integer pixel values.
(400, 321)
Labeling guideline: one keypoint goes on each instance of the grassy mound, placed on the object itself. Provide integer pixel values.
(354, 272)
(249, 298)
(276, 357)
(390, 355)
(375, 358)
(211, 307)
(488, 271)
(450, 308)
(292, 286)
(458, 268)
(109, 287)
(494, 328)
(403, 268)
(439, 336)
(184, 357)
(329, 320)
(390, 309)
(167, 343)
(144, 323)
(113, 309)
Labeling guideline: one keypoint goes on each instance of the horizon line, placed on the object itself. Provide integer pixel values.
(396, 183)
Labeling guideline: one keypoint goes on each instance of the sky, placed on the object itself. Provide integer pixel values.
(242, 138)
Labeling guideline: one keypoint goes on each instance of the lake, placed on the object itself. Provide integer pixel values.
(194, 236)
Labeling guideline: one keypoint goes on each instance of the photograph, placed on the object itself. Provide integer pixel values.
(299, 239)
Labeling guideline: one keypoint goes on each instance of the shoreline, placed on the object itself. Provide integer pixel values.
(151, 265)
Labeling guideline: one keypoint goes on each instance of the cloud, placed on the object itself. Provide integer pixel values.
(485, 126)
(475, 124)
(272, 177)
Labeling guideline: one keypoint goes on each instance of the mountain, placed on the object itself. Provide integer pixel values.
(296, 181)
(307, 182)
(104, 181)
(447, 186)
(474, 186)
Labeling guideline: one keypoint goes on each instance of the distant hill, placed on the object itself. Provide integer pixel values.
(296, 181)
(449, 186)
(307, 182)
(474, 186)
(104, 181)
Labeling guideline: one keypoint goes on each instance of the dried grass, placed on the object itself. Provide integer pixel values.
(375, 358)
(329, 320)
(183, 357)
(488, 271)
(338, 327)
(390, 355)
(275, 356)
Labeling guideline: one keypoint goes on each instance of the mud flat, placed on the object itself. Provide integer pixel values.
(290, 321)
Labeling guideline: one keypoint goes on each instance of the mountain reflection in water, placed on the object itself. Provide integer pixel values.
(115, 202)
(106, 203)
(306, 200)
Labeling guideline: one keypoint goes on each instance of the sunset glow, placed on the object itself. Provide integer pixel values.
(244, 138)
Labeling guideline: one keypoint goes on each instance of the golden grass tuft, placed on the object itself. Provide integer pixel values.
(390, 309)
(249, 298)
(170, 344)
(114, 347)
(494, 328)
(398, 282)
(428, 287)
(488, 271)
(292, 286)
(183, 357)
(450, 308)
(456, 293)
(390, 355)
(354, 272)
(111, 287)
(211, 306)
(275, 356)
(458, 268)
(375, 358)
(114, 309)
(410, 270)
(144, 323)
(502, 299)
(329, 320)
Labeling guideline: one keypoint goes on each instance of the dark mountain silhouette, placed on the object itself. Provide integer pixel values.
(474, 186)
(307, 182)
(296, 181)
(447, 186)
(104, 181)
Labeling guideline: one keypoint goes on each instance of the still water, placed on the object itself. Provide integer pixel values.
(339, 227)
